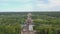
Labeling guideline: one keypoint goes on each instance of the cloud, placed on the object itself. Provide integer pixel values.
(54, 3)
(50, 6)
(20, 8)
(29, 5)
(19, 1)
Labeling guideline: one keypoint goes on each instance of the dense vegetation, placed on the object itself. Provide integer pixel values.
(10, 22)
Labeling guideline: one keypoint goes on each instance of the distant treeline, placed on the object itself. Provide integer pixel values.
(54, 14)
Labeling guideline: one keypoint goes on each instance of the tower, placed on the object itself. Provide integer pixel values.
(28, 26)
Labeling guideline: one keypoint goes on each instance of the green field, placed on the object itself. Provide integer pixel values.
(45, 22)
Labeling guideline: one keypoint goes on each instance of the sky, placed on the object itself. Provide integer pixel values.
(29, 5)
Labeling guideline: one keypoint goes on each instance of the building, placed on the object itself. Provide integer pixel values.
(28, 26)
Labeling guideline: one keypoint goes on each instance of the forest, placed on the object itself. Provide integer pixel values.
(45, 22)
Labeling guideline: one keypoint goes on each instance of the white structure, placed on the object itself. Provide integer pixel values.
(31, 27)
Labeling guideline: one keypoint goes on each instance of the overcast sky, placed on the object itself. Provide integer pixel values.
(29, 5)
